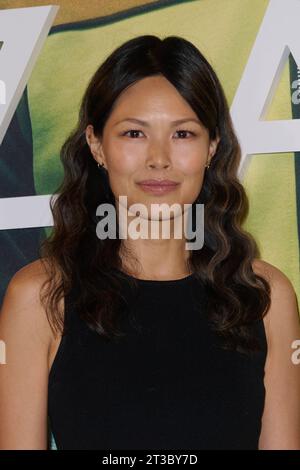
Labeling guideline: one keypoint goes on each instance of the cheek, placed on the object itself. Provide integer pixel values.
(122, 165)
(193, 171)
(122, 158)
(191, 157)
(192, 168)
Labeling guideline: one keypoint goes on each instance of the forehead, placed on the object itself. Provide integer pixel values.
(153, 96)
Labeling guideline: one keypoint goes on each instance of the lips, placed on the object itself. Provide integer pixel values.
(158, 183)
(158, 187)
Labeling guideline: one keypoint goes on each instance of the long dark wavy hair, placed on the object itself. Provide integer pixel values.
(237, 298)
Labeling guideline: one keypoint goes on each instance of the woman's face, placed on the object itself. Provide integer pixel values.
(157, 148)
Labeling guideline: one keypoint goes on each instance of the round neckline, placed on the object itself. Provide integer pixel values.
(158, 281)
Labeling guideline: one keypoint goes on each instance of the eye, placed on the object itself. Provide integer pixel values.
(131, 131)
(185, 131)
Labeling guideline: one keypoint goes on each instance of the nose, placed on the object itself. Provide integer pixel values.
(158, 157)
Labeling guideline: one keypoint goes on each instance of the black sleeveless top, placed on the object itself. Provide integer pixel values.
(167, 384)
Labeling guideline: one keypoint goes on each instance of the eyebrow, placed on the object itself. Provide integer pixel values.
(146, 124)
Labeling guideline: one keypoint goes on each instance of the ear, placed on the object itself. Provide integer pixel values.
(94, 143)
(213, 146)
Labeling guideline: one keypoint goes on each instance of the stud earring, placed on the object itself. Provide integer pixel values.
(208, 163)
(100, 165)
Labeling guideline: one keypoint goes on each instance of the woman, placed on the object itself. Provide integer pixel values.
(163, 347)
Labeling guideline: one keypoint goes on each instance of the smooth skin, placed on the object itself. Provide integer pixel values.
(157, 149)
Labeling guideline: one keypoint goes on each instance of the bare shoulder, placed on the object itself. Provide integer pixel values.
(25, 284)
(283, 314)
(31, 275)
(21, 302)
(283, 296)
(27, 335)
(282, 289)
(280, 420)
(272, 274)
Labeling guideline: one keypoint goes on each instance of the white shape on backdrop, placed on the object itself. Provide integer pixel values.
(18, 55)
(19, 52)
(276, 38)
(24, 212)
